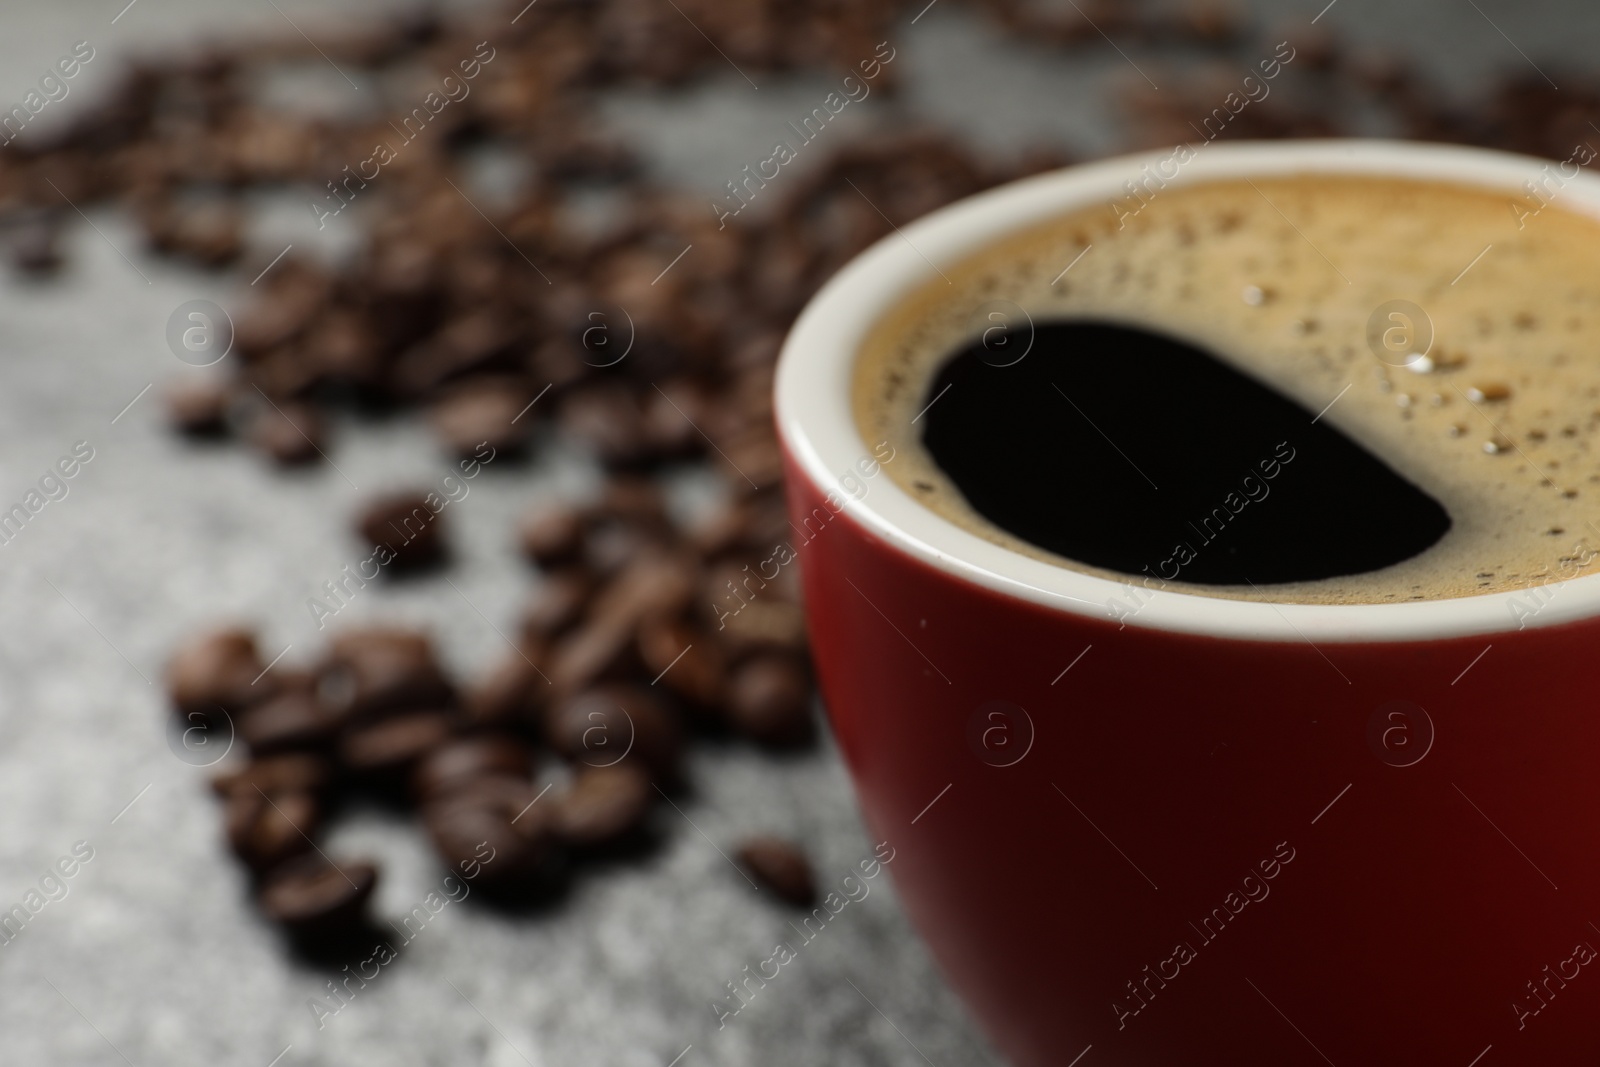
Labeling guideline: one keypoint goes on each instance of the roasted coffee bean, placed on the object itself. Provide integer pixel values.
(386, 751)
(607, 418)
(780, 867)
(755, 459)
(559, 361)
(611, 544)
(594, 651)
(291, 721)
(720, 531)
(215, 673)
(603, 804)
(1378, 70)
(656, 585)
(36, 245)
(670, 417)
(342, 350)
(552, 534)
(473, 342)
(495, 828)
(406, 529)
(462, 762)
(749, 613)
(769, 700)
(275, 775)
(1209, 23)
(510, 697)
(757, 521)
(488, 413)
(283, 376)
(682, 658)
(632, 500)
(374, 672)
(556, 605)
(756, 350)
(296, 292)
(607, 724)
(199, 407)
(1314, 46)
(314, 897)
(211, 235)
(767, 623)
(264, 830)
(571, 150)
(289, 433)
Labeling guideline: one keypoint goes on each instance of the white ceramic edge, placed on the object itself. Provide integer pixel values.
(814, 413)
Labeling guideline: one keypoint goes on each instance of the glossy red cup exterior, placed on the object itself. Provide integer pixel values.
(1189, 830)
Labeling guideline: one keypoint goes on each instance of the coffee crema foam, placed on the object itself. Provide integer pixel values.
(1501, 425)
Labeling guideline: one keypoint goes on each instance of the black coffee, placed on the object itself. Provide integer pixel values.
(1341, 389)
(1134, 452)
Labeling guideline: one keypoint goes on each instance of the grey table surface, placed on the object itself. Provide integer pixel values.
(154, 955)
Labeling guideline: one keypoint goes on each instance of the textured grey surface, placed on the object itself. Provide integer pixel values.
(154, 955)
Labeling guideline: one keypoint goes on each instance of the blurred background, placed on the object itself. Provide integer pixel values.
(188, 157)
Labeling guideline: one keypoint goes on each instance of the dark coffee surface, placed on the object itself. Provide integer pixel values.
(1135, 452)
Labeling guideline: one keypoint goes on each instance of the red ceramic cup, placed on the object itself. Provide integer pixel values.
(1208, 831)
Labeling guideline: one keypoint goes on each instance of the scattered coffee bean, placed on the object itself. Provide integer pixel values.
(684, 659)
(668, 425)
(211, 235)
(217, 673)
(603, 804)
(293, 720)
(385, 752)
(498, 824)
(607, 418)
(405, 529)
(460, 763)
(765, 623)
(609, 545)
(769, 699)
(313, 897)
(610, 723)
(288, 433)
(604, 645)
(377, 671)
(633, 500)
(275, 775)
(264, 830)
(557, 604)
(655, 585)
(199, 408)
(780, 867)
(598, 649)
(553, 534)
(510, 697)
(36, 245)
(488, 412)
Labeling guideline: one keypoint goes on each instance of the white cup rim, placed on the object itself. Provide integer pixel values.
(815, 418)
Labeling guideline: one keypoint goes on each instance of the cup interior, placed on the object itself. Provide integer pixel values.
(819, 431)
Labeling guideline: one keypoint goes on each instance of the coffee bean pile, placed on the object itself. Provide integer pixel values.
(646, 335)
(643, 632)
(629, 670)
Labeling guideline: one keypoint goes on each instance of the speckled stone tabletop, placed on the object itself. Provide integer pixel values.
(153, 955)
